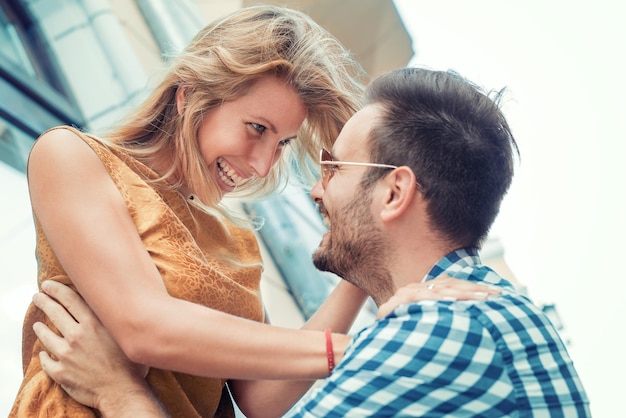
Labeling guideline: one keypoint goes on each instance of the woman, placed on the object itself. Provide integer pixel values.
(134, 222)
(137, 218)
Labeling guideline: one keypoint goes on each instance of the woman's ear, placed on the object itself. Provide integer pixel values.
(180, 99)
(400, 191)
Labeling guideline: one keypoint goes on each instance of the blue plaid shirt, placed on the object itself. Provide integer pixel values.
(494, 358)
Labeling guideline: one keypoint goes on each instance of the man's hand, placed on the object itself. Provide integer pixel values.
(89, 364)
(441, 288)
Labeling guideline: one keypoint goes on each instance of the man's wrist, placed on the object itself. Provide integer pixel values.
(138, 400)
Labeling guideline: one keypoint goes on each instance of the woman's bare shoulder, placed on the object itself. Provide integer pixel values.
(63, 166)
(61, 149)
(60, 140)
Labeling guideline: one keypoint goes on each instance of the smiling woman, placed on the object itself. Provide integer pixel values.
(244, 138)
(186, 275)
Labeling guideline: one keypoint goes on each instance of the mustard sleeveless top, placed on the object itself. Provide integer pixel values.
(191, 250)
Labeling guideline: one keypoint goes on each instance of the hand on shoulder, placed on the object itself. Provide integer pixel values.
(441, 288)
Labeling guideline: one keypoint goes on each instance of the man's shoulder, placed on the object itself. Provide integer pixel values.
(416, 331)
(497, 323)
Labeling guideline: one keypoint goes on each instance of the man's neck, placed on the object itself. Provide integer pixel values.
(413, 264)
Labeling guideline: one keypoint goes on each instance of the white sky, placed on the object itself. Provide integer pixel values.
(562, 224)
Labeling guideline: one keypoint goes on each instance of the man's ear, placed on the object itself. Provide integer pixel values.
(180, 99)
(400, 191)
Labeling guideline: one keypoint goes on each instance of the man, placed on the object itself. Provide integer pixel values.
(410, 190)
(450, 153)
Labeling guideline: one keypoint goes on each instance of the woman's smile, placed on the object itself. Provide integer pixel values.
(227, 174)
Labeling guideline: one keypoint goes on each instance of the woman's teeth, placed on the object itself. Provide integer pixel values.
(227, 174)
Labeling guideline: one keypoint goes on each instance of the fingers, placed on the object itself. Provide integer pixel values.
(442, 288)
(51, 367)
(71, 300)
(57, 372)
(61, 319)
(448, 288)
(51, 341)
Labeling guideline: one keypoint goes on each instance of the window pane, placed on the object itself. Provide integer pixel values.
(11, 46)
(14, 145)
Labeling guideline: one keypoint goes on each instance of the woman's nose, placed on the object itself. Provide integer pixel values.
(263, 158)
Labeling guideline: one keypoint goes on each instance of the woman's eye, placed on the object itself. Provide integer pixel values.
(285, 142)
(257, 127)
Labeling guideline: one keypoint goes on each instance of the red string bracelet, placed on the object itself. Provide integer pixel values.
(330, 354)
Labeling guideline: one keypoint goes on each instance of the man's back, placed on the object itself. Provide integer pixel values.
(498, 357)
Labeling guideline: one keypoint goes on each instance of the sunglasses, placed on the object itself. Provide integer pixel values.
(330, 166)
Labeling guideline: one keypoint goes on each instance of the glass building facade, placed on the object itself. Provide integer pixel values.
(34, 94)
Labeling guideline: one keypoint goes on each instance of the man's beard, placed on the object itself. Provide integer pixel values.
(356, 249)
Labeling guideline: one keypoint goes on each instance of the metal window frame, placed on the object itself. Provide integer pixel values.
(31, 104)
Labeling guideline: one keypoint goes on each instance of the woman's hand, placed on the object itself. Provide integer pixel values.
(85, 360)
(440, 288)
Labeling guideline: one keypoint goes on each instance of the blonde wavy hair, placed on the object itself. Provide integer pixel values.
(220, 64)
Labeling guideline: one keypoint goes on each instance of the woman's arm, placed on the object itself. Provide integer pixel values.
(269, 398)
(90, 230)
(91, 367)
